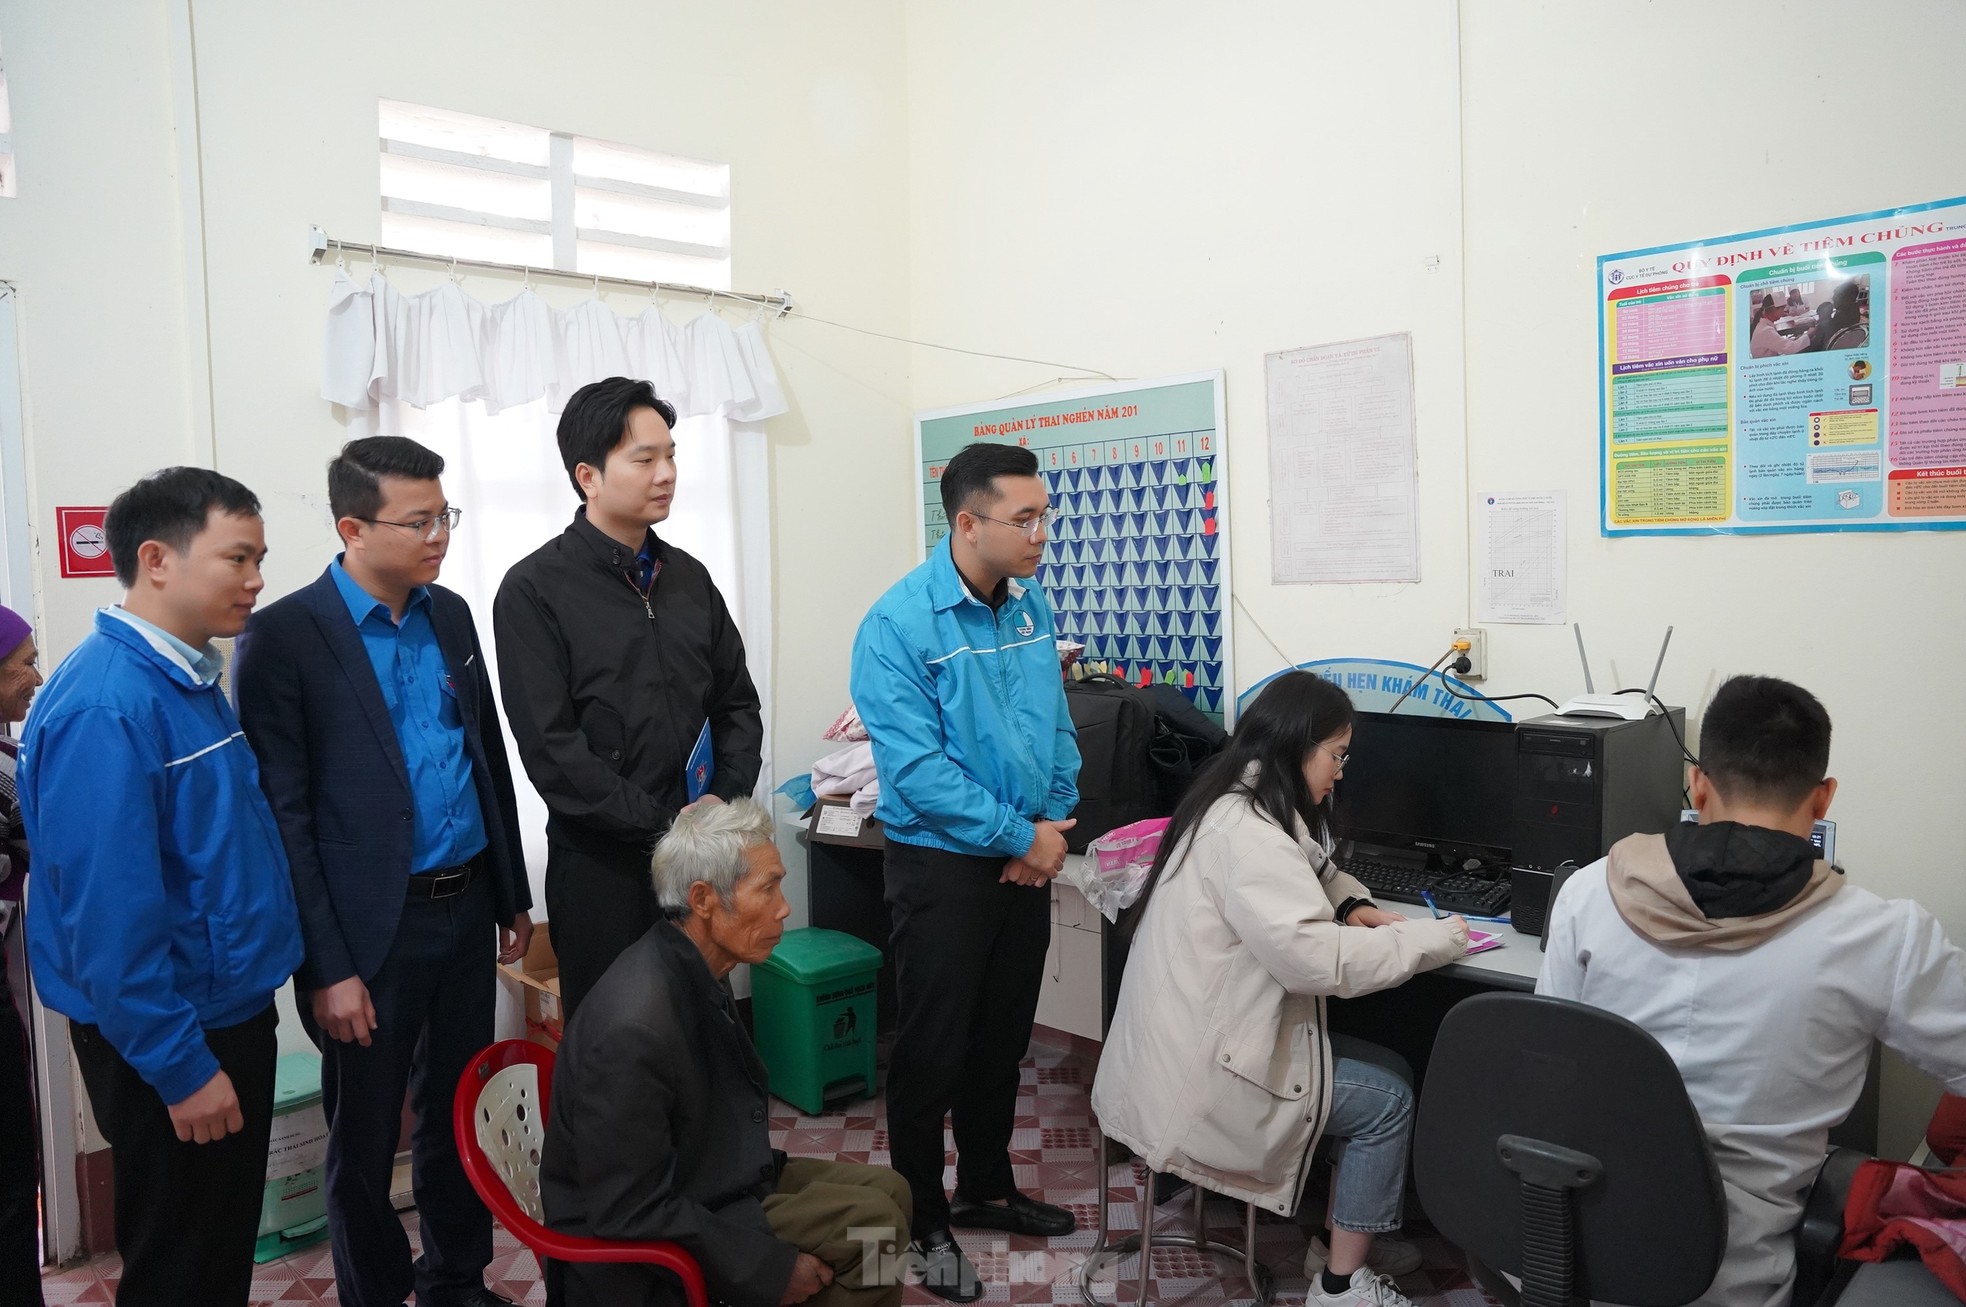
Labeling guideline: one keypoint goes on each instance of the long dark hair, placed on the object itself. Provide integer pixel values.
(1295, 713)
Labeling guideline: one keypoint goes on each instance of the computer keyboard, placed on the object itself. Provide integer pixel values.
(1471, 896)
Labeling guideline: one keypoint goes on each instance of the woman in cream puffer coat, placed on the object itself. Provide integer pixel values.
(1219, 1067)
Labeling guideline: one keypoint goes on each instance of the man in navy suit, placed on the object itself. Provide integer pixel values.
(366, 698)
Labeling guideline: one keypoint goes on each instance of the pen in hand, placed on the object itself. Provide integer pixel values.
(1427, 897)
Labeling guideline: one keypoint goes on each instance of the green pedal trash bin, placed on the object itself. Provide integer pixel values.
(294, 1208)
(812, 1008)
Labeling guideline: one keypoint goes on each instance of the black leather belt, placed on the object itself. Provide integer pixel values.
(446, 883)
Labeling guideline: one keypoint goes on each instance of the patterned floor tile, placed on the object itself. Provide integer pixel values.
(1052, 1159)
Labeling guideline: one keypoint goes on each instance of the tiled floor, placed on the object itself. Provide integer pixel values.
(1052, 1154)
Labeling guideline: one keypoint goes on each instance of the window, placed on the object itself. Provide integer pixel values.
(477, 188)
(7, 135)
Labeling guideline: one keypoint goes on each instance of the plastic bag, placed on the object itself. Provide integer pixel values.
(1114, 869)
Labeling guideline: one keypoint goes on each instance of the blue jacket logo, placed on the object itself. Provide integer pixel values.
(1024, 625)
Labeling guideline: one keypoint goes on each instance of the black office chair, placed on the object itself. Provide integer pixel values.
(1555, 1142)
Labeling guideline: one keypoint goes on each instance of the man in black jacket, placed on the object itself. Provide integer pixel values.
(660, 1123)
(616, 655)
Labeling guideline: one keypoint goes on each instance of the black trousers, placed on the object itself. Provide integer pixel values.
(598, 905)
(969, 963)
(20, 1168)
(434, 997)
(187, 1214)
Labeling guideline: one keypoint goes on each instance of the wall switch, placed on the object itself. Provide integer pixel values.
(1477, 653)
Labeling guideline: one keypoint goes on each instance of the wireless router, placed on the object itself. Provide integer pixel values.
(1630, 708)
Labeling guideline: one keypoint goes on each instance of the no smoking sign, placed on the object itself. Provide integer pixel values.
(84, 547)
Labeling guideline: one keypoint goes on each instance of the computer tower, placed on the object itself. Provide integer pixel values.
(1583, 784)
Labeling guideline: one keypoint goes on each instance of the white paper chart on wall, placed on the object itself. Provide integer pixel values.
(1137, 567)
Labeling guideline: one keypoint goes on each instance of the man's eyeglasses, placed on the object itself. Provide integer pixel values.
(426, 528)
(1042, 522)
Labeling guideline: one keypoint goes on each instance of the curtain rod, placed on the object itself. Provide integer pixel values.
(319, 243)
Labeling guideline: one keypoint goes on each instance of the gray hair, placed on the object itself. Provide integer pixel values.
(708, 844)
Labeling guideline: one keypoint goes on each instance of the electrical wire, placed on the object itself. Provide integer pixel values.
(1451, 651)
(952, 349)
(1666, 712)
(1495, 698)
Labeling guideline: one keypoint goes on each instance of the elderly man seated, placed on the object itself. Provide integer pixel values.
(659, 1118)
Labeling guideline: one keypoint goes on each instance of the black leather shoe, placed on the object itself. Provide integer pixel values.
(485, 1298)
(946, 1273)
(1020, 1215)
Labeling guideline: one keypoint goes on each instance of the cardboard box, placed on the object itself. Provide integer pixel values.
(832, 821)
(537, 976)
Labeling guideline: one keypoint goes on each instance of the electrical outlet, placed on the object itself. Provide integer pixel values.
(1477, 654)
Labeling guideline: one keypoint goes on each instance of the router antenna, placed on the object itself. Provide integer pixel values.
(1656, 666)
(1583, 657)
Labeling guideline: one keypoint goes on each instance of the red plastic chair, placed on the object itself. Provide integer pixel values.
(500, 1117)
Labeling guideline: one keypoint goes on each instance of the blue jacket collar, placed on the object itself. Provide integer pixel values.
(946, 587)
(195, 668)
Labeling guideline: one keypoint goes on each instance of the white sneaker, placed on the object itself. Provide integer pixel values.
(1394, 1257)
(1367, 1289)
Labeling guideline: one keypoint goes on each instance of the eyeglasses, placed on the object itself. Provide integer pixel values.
(1042, 522)
(426, 528)
(1340, 758)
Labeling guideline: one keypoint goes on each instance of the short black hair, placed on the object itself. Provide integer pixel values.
(355, 474)
(975, 469)
(596, 420)
(170, 506)
(1764, 739)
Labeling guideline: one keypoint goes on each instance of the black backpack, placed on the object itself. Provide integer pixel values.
(1118, 781)
(1184, 739)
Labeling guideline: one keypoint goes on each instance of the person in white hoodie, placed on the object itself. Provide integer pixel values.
(1219, 1066)
(1760, 970)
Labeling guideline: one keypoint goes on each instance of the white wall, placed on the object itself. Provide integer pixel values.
(1142, 189)
(92, 240)
(1593, 129)
(1158, 188)
(1148, 189)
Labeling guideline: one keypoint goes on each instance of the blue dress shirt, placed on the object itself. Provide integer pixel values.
(416, 687)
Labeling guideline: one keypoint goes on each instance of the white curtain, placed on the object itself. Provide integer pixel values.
(483, 386)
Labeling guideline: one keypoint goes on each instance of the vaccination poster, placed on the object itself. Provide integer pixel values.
(1137, 564)
(1806, 378)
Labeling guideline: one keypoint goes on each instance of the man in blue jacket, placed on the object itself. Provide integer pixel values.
(955, 673)
(162, 918)
(366, 697)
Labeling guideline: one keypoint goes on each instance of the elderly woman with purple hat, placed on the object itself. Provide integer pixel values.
(20, 1249)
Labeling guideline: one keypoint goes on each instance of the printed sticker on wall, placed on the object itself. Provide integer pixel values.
(84, 546)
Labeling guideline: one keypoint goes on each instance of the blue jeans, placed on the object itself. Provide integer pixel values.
(1370, 1130)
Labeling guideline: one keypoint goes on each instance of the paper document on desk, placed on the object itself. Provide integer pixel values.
(1480, 941)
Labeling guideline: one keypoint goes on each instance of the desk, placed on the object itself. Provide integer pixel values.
(1406, 1018)
(1512, 966)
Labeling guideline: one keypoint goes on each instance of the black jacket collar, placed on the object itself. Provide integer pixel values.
(608, 551)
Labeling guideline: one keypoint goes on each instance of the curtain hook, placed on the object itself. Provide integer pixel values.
(652, 286)
(528, 278)
(597, 285)
(340, 263)
(453, 269)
